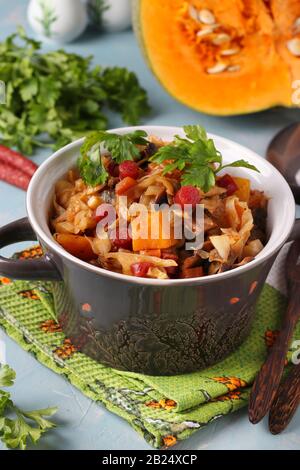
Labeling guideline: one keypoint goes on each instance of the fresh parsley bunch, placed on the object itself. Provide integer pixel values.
(197, 157)
(53, 98)
(18, 427)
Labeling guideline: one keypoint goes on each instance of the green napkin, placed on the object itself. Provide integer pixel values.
(164, 410)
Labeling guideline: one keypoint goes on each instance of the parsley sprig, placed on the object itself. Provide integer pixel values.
(18, 427)
(121, 147)
(197, 157)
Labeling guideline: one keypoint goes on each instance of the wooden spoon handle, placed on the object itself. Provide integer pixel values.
(268, 379)
(286, 402)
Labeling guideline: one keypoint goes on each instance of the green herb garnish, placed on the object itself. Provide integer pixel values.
(197, 157)
(53, 98)
(18, 427)
(121, 148)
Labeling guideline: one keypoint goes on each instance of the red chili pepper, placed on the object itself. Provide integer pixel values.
(140, 269)
(122, 239)
(14, 176)
(228, 183)
(15, 159)
(187, 195)
(129, 168)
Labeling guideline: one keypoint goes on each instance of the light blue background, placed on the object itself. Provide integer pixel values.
(83, 424)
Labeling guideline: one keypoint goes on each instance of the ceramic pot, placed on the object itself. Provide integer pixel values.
(151, 326)
(57, 20)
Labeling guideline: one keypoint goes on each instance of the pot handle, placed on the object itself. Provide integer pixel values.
(42, 269)
(295, 234)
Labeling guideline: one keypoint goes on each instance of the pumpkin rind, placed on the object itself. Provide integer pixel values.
(193, 67)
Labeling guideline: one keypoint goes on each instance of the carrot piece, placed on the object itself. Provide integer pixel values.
(160, 240)
(125, 184)
(243, 191)
(76, 245)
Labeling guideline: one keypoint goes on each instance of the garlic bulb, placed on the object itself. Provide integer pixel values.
(110, 15)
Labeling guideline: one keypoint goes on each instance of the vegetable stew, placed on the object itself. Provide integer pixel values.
(136, 173)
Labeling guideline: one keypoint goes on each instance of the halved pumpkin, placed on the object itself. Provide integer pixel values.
(223, 57)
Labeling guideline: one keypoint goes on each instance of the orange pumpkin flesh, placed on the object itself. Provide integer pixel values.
(248, 38)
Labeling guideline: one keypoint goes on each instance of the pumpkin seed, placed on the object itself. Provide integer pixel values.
(206, 16)
(234, 68)
(294, 46)
(193, 12)
(221, 39)
(297, 24)
(227, 52)
(217, 68)
(204, 32)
